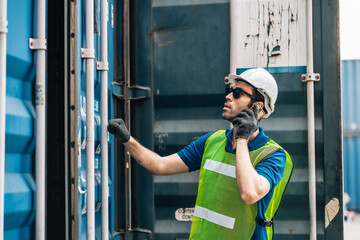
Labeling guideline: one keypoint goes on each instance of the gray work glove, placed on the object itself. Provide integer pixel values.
(118, 128)
(247, 122)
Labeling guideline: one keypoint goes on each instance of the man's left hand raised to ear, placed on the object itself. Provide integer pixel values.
(246, 123)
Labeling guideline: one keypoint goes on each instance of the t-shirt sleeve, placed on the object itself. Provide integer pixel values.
(192, 153)
(272, 167)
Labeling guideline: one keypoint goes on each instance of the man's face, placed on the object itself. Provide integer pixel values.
(233, 105)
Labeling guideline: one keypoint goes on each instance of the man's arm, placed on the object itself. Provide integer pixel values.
(252, 186)
(154, 163)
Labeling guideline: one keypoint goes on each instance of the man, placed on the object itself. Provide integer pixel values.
(243, 173)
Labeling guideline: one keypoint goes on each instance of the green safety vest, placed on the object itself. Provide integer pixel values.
(219, 212)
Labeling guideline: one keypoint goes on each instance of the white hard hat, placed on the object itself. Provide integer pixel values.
(263, 82)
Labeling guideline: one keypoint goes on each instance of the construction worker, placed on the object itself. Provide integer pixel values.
(243, 173)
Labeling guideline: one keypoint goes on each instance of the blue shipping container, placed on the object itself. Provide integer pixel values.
(20, 116)
(351, 127)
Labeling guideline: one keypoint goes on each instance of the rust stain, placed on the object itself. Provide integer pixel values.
(166, 43)
(164, 36)
(159, 36)
(167, 29)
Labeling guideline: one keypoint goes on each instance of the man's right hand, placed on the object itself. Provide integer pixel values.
(118, 128)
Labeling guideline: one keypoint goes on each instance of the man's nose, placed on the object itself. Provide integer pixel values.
(229, 97)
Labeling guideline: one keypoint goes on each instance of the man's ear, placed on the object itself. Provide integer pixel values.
(261, 108)
(259, 104)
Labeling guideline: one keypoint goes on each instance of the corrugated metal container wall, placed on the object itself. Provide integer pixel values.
(20, 125)
(66, 120)
(191, 58)
(351, 115)
(187, 62)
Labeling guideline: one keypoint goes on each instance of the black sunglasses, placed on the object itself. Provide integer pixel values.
(237, 91)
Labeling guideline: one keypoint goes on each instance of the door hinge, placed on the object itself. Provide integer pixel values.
(130, 93)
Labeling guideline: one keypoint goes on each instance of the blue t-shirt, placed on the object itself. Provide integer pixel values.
(272, 168)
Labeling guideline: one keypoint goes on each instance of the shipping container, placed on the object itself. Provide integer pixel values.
(167, 63)
(350, 73)
(20, 120)
(190, 57)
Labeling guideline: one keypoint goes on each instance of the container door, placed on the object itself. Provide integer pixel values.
(191, 59)
(184, 49)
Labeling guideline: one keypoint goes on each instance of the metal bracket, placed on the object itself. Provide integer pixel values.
(37, 44)
(130, 93)
(310, 77)
(102, 66)
(3, 26)
(88, 53)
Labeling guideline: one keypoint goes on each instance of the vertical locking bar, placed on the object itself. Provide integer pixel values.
(126, 61)
(39, 44)
(104, 120)
(90, 141)
(309, 78)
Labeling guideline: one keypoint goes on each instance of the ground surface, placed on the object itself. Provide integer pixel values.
(352, 229)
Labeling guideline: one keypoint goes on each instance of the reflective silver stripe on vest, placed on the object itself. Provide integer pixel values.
(214, 217)
(219, 167)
